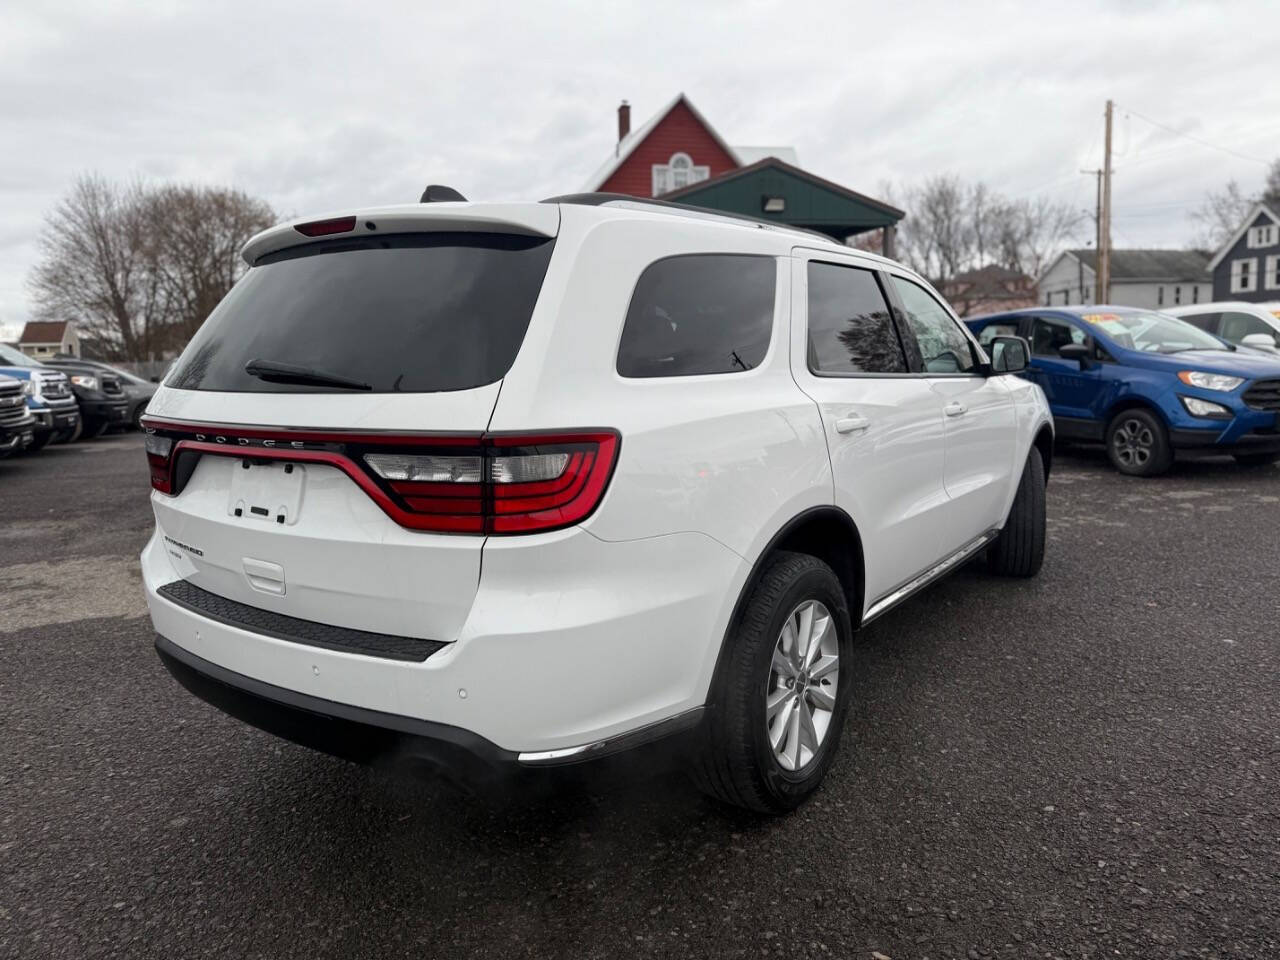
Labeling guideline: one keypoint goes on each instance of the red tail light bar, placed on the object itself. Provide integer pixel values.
(495, 483)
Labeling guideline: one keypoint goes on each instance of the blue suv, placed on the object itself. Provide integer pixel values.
(1146, 384)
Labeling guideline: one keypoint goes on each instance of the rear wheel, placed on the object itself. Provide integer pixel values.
(1019, 550)
(1256, 459)
(783, 690)
(1138, 444)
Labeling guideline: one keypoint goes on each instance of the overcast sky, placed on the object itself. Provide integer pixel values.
(316, 106)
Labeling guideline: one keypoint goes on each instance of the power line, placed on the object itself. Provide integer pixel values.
(1194, 139)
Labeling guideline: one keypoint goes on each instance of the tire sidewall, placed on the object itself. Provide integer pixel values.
(1160, 458)
(815, 583)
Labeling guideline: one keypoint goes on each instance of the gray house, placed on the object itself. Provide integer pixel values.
(1139, 278)
(1247, 267)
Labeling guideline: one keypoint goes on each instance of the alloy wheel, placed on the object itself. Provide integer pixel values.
(1133, 442)
(801, 697)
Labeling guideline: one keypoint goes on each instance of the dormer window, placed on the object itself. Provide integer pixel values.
(677, 172)
(1266, 235)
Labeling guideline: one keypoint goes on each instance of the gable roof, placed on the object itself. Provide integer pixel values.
(749, 155)
(1127, 265)
(43, 331)
(627, 145)
(785, 167)
(991, 279)
(1258, 210)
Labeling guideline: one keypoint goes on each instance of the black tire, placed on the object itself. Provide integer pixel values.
(1019, 549)
(40, 441)
(72, 435)
(1138, 443)
(135, 417)
(736, 762)
(93, 430)
(1256, 459)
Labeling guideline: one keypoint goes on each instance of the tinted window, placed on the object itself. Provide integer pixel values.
(943, 346)
(1237, 326)
(708, 313)
(1205, 321)
(412, 313)
(850, 327)
(1048, 335)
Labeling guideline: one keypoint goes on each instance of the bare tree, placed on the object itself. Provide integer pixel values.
(94, 267)
(1219, 214)
(139, 268)
(196, 234)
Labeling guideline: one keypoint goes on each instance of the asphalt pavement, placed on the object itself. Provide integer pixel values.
(1083, 765)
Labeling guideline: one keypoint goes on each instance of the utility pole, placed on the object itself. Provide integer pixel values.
(1104, 221)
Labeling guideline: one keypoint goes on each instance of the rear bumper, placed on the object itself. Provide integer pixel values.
(573, 648)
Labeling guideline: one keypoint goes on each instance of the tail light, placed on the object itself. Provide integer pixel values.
(491, 484)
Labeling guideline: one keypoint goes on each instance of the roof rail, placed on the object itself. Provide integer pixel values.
(681, 209)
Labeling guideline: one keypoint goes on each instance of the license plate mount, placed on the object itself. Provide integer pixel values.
(267, 492)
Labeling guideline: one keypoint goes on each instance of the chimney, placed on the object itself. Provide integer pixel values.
(624, 120)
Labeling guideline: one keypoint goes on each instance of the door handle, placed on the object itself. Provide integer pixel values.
(852, 424)
(954, 408)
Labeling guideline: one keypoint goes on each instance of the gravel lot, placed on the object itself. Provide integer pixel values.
(1084, 765)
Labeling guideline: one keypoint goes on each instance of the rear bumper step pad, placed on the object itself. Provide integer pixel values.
(295, 630)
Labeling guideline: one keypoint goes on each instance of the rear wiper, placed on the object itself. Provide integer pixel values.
(275, 372)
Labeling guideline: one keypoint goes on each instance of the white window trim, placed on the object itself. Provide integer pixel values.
(1236, 270)
(663, 180)
(1263, 235)
(1271, 274)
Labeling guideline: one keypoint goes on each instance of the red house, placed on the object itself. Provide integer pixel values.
(679, 156)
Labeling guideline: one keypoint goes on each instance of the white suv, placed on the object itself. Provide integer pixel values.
(502, 486)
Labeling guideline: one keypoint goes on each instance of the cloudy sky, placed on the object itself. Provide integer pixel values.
(316, 106)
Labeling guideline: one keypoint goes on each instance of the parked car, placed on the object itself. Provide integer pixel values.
(1146, 384)
(695, 453)
(99, 392)
(1253, 325)
(48, 393)
(17, 425)
(137, 391)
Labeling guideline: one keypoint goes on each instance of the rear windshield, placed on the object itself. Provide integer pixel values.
(415, 313)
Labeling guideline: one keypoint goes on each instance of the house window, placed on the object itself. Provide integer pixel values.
(1048, 298)
(1159, 296)
(1264, 236)
(1195, 294)
(1177, 296)
(677, 172)
(1271, 279)
(1244, 275)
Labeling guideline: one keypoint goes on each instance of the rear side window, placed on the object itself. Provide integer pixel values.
(993, 330)
(850, 327)
(413, 313)
(1208, 322)
(699, 314)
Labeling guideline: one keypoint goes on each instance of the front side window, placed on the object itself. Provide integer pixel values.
(403, 313)
(993, 330)
(1048, 335)
(943, 346)
(699, 314)
(1236, 326)
(850, 327)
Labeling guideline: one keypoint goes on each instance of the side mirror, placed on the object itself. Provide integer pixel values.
(1009, 354)
(1260, 341)
(1076, 351)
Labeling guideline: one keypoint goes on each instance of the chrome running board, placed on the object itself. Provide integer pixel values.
(891, 600)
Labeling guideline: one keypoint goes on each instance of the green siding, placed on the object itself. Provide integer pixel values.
(808, 204)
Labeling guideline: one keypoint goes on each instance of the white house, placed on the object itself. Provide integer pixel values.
(1139, 278)
(43, 338)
